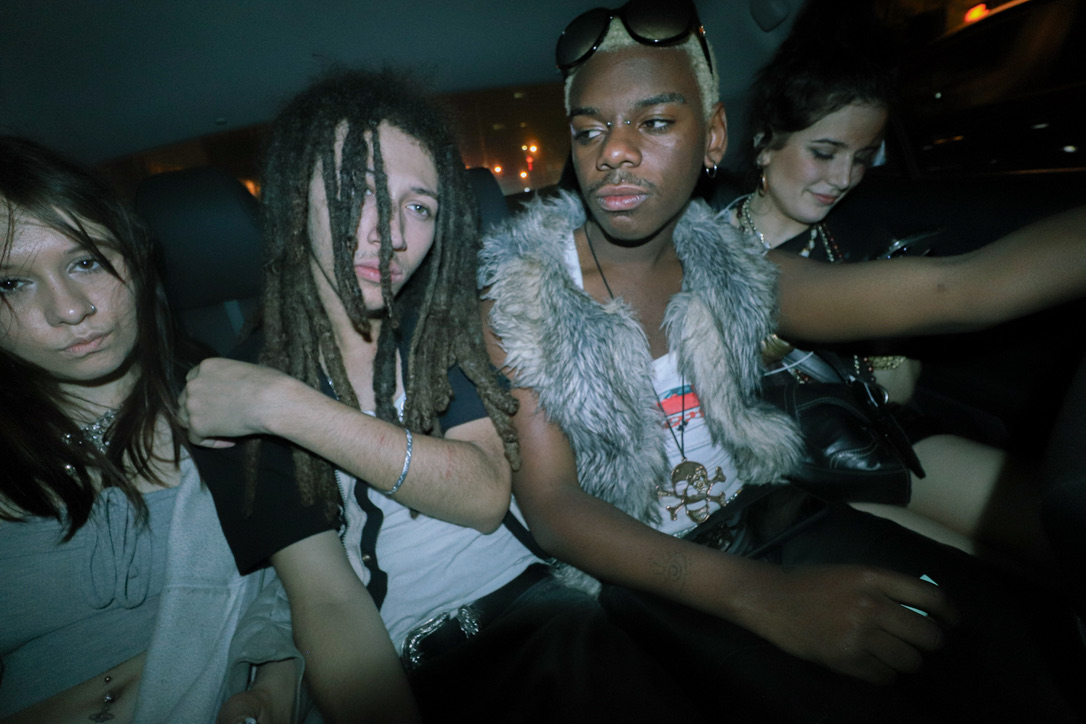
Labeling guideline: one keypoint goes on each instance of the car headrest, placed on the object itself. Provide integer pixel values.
(206, 225)
(488, 195)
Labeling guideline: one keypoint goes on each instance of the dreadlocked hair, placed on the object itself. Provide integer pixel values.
(347, 109)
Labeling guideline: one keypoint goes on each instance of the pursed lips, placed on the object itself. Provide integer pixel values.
(621, 197)
(86, 345)
(370, 270)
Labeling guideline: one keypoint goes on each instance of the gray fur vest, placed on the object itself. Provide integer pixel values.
(590, 364)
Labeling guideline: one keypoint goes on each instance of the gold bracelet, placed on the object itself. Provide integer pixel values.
(887, 362)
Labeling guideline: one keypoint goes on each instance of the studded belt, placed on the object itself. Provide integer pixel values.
(448, 629)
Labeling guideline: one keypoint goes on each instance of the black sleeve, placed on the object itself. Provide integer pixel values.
(466, 404)
(278, 518)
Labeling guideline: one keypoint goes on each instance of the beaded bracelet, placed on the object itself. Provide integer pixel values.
(406, 466)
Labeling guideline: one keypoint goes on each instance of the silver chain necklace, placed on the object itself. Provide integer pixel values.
(94, 433)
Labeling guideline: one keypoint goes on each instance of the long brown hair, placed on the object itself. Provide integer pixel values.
(42, 474)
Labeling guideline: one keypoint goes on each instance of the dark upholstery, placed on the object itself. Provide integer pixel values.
(1063, 488)
(488, 195)
(206, 225)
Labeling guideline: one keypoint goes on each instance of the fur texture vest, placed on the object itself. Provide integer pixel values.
(590, 364)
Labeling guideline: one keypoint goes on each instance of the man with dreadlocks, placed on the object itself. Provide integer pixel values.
(370, 305)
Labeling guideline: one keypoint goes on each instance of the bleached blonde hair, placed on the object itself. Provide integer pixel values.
(618, 38)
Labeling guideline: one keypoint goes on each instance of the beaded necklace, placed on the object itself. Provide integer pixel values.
(746, 223)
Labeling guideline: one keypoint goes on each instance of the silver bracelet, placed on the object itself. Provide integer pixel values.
(406, 467)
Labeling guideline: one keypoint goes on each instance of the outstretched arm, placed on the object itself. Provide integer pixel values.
(1037, 266)
(847, 618)
(352, 668)
(463, 478)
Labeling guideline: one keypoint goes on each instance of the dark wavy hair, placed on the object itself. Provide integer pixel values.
(441, 294)
(835, 55)
(41, 474)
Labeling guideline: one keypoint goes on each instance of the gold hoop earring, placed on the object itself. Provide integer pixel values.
(763, 186)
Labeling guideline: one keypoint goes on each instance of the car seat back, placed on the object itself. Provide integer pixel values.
(488, 196)
(206, 224)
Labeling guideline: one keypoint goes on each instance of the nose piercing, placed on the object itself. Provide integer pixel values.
(93, 309)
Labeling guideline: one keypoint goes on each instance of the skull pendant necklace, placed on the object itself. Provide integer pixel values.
(690, 481)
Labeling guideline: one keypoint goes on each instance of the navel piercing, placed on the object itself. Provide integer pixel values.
(105, 714)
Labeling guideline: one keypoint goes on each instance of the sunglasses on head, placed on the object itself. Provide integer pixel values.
(650, 22)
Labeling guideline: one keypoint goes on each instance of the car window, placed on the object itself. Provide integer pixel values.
(1004, 93)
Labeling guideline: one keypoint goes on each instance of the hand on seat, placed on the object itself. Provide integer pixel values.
(853, 619)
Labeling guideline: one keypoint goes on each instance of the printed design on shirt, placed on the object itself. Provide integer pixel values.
(690, 484)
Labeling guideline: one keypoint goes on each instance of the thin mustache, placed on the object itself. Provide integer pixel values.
(616, 178)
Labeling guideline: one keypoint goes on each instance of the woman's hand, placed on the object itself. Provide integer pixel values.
(270, 700)
(245, 707)
(226, 399)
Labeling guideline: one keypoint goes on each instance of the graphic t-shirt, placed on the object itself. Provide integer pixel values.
(694, 494)
(689, 499)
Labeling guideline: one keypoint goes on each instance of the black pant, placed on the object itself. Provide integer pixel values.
(1063, 490)
(997, 665)
(552, 656)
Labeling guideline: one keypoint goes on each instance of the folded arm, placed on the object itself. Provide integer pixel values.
(463, 478)
(1035, 267)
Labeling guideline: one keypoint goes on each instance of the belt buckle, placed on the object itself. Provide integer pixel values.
(412, 655)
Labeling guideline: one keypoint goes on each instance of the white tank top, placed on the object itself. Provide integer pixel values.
(682, 505)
